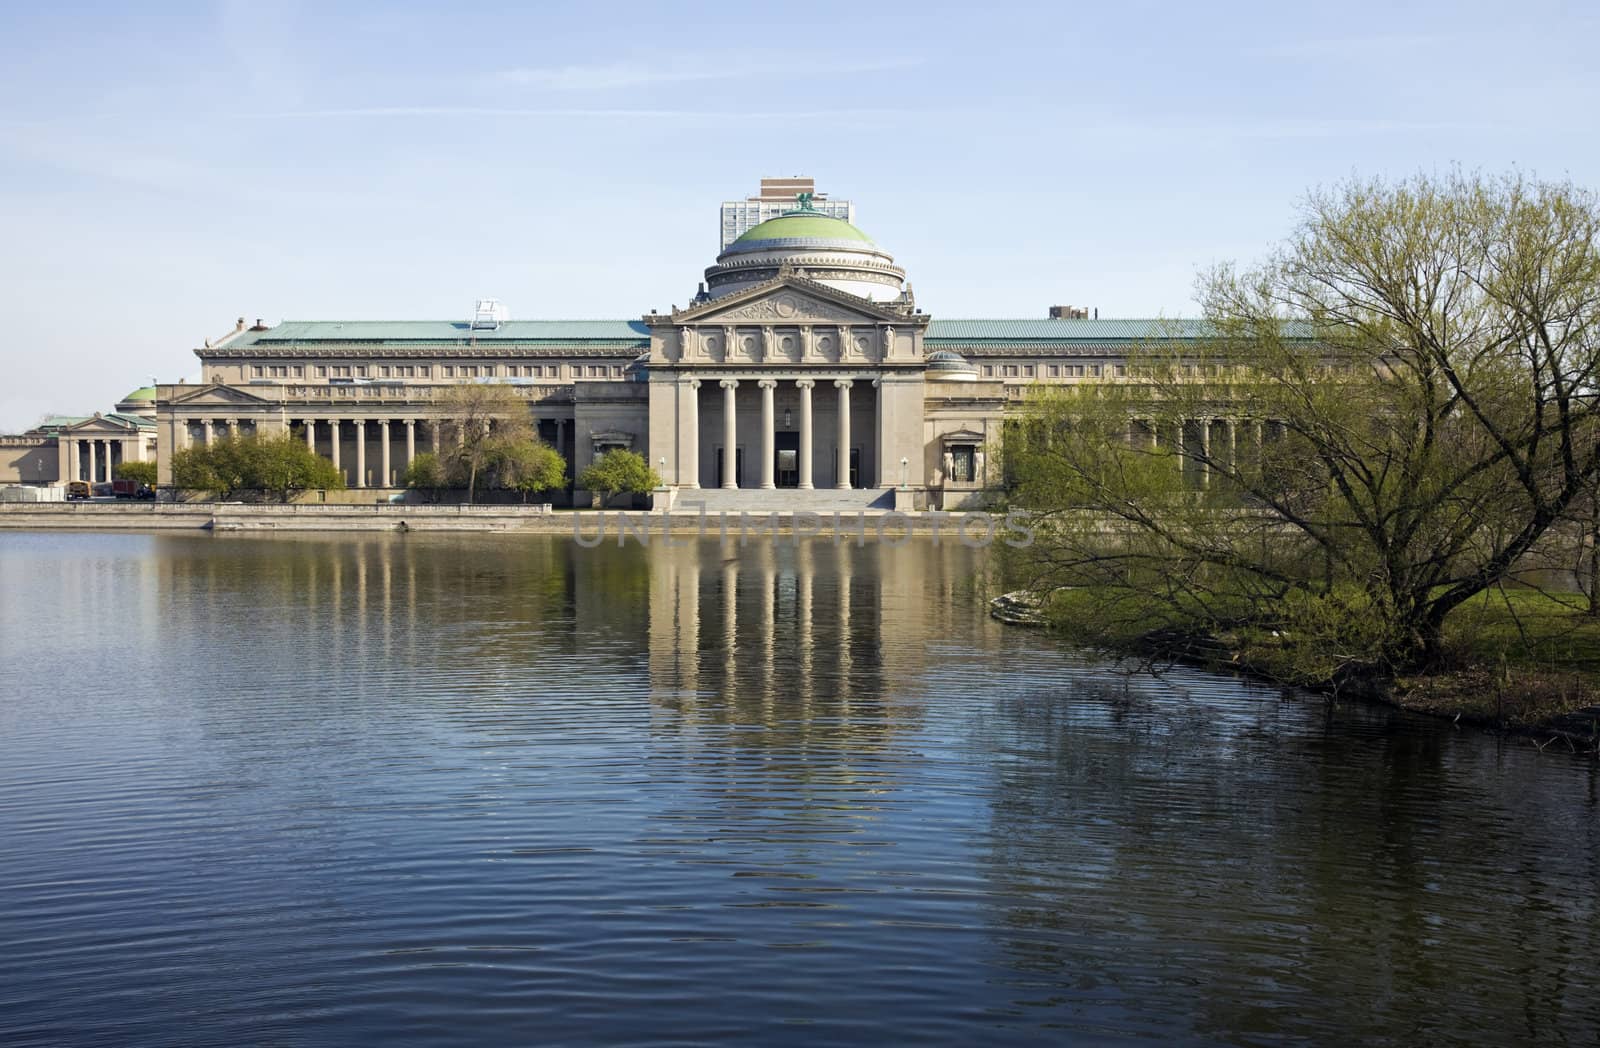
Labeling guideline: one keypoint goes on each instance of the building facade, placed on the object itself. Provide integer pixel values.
(82, 447)
(803, 363)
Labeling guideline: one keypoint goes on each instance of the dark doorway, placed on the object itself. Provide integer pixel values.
(855, 467)
(786, 467)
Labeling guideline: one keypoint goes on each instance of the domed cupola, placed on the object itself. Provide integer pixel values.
(141, 401)
(828, 250)
(946, 365)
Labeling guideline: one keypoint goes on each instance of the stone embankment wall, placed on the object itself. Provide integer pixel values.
(971, 528)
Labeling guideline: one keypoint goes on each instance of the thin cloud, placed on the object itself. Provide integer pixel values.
(616, 114)
(1357, 48)
(611, 76)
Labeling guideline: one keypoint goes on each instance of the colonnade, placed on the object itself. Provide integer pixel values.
(1201, 452)
(93, 458)
(769, 437)
(389, 465)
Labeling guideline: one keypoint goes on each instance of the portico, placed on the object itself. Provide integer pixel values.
(773, 422)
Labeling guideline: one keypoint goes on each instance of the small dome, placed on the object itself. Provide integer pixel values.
(142, 393)
(639, 369)
(948, 366)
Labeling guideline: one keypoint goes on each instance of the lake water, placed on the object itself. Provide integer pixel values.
(502, 790)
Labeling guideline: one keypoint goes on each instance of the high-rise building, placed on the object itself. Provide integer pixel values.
(777, 196)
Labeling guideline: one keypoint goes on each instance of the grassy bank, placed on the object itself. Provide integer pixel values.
(1515, 660)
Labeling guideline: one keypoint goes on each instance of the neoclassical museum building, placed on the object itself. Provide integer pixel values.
(803, 362)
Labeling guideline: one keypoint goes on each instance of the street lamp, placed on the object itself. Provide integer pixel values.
(905, 470)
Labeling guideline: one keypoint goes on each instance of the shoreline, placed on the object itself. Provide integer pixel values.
(1455, 695)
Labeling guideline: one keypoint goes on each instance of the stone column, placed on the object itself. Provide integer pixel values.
(1205, 452)
(769, 439)
(311, 435)
(561, 437)
(333, 428)
(383, 456)
(361, 453)
(411, 441)
(94, 465)
(207, 425)
(804, 386)
(691, 445)
(433, 434)
(843, 476)
(730, 434)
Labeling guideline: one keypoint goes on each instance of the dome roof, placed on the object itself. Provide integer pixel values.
(142, 393)
(948, 366)
(802, 225)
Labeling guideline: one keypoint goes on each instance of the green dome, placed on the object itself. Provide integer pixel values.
(142, 393)
(804, 225)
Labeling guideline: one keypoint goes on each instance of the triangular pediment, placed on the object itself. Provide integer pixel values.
(99, 424)
(218, 396)
(790, 299)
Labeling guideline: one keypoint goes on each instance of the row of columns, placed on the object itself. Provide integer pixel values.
(769, 437)
(209, 437)
(386, 471)
(1230, 427)
(76, 467)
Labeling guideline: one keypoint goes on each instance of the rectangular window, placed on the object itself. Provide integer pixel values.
(1055, 370)
(256, 371)
(449, 371)
(988, 370)
(1028, 370)
(384, 371)
(1122, 370)
(322, 371)
(425, 370)
(1011, 371)
(299, 371)
(1095, 371)
(616, 371)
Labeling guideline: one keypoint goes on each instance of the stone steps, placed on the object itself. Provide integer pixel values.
(784, 500)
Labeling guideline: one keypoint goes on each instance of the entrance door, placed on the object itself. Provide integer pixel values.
(738, 468)
(855, 467)
(786, 451)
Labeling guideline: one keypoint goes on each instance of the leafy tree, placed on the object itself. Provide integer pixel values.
(619, 471)
(484, 419)
(1414, 373)
(279, 466)
(139, 472)
(283, 465)
(529, 466)
(426, 473)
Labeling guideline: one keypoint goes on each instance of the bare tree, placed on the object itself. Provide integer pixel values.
(481, 419)
(1410, 388)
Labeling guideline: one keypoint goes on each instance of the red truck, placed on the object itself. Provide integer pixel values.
(131, 489)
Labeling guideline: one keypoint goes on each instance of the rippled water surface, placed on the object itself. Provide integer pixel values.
(479, 790)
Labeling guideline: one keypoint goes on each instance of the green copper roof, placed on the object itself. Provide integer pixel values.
(803, 225)
(1037, 329)
(142, 393)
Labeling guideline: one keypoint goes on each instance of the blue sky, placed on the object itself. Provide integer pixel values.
(167, 168)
